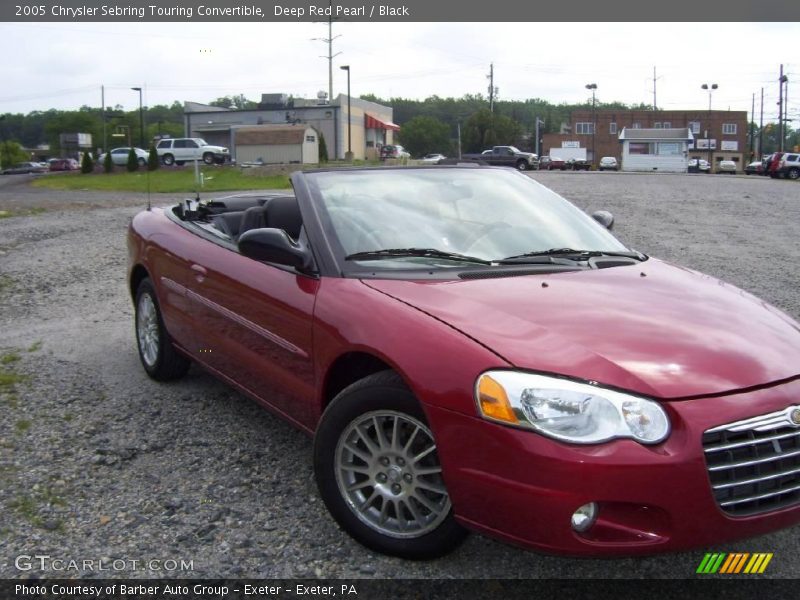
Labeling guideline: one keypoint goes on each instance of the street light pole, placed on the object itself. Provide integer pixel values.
(710, 87)
(349, 155)
(141, 117)
(593, 87)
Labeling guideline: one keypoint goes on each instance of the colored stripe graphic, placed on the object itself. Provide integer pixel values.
(734, 563)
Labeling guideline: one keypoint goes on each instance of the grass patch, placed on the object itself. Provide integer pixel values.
(35, 346)
(217, 179)
(68, 417)
(6, 283)
(23, 425)
(27, 507)
(8, 358)
(7, 214)
(9, 378)
(11, 399)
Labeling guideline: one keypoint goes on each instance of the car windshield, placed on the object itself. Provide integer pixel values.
(514, 149)
(427, 216)
(200, 142)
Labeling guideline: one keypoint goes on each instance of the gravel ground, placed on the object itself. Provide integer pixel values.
(99, 462)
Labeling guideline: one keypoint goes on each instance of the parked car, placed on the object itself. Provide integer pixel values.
(754, 168)
(24, 167)
(433, 158)
(119, 156)
(469, 349)
(64, 164)
(788, 165)
(700, 165)
(393, 151)
(551, 163)
(608, 163)
(506, 156)
(179, 150)
(578, 164)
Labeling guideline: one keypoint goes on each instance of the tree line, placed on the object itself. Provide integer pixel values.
(429, 125)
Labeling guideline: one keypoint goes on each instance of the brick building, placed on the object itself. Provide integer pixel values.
(725, 131)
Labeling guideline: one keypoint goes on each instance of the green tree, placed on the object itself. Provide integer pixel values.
(152, 159)
(11, 152)
(87, 164)
(133, 161)
(485, 129)
(323, 149)
(108, 164)
(422, 135)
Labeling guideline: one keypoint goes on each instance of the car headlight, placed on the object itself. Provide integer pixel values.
(567, 410)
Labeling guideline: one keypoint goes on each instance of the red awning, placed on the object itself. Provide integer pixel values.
(371, 122)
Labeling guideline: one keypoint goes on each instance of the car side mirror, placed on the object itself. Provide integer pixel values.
(605, 218)
(275, 246)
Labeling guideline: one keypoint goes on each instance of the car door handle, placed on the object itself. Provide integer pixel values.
(199, 273)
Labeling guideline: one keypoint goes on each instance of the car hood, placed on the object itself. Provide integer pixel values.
(652, 328)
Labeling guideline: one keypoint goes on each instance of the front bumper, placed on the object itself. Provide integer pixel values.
(523, 488)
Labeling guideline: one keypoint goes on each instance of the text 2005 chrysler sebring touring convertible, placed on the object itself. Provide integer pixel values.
(471, 350)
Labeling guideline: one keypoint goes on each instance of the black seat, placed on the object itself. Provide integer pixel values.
(253, 218)
(229, 222)
(282, 212)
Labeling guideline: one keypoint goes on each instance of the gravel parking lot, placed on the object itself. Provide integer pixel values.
(99, 462)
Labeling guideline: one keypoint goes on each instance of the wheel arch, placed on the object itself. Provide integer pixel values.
(348, 368)
(138, 274)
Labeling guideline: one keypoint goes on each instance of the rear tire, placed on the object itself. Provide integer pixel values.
(168, 159)
(159, 358)
(379, 474)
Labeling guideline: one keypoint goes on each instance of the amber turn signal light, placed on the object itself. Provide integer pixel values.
(493, 401)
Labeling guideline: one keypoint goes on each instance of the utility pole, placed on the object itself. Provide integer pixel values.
(492, 89)
(538, 135)
(752, 123)
(103, 112)
(655, 106)
(780, 111)
(330, 56)
(458, 126)
(761, 127)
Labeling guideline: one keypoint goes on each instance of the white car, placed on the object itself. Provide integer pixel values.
(179, 150)
(608, 162)
(119, 156)
(432, 159)
(726, 166)
(699, 166)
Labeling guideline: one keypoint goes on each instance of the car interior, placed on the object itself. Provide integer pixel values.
(231, 217)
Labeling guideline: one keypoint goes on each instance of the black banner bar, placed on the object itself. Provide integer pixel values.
(399, 10)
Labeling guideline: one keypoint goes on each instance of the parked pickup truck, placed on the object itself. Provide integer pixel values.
(507, 156)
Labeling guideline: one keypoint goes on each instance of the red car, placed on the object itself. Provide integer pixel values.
(64, 164)
(470, 350)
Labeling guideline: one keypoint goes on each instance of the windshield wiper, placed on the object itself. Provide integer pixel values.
(569, 253)
(422, 252)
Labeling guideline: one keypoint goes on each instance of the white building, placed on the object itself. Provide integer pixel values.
(663, 150)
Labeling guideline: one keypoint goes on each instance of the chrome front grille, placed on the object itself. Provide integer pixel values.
(754, 464)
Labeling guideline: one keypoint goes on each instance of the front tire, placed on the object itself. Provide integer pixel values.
(522, 165)
(159, 358)
(793, 173)
(142, 162)
(378, 471)
(208, 158)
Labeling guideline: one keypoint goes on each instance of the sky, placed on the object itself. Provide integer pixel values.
(64, 65)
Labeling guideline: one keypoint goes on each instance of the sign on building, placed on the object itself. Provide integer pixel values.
(570, 144)
(730, 145)
(702, 144)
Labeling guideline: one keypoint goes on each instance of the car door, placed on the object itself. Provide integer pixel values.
(119, 156)
(191, 150)
(255, 327)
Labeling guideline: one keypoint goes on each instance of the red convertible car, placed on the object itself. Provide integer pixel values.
(471, 351)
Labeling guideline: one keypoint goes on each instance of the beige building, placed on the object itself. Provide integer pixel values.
(276, 144)
(369, 125)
